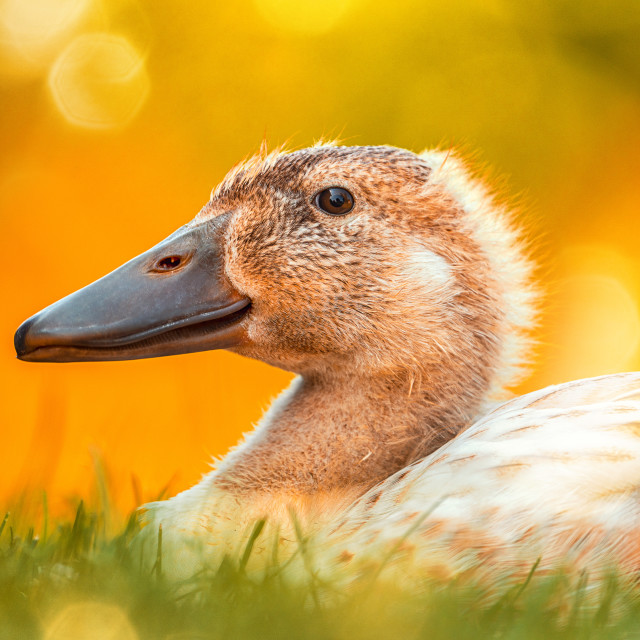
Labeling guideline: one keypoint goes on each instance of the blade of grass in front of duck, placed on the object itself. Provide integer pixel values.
(257, 529)
(4, 522)
(76, 530)
(304, 551)
(527, 580)
(576, 609)
(157, 567)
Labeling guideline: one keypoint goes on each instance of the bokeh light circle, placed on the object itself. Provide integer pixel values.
(99, 81)
(39, 19)
(31, 33)
(308, 17)
(91, 621)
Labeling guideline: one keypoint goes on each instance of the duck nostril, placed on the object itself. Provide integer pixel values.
(168, 264)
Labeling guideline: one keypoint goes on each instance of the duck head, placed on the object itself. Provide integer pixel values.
(341, 259)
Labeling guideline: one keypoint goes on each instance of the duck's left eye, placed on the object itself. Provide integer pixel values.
(168, 264)
(335, 201)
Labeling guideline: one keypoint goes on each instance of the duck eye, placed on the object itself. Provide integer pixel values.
(168, 264)
(335, 201)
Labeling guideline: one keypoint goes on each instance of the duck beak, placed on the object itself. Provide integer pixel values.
(174, 298)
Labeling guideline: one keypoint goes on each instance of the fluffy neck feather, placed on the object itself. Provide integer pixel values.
(342, 434)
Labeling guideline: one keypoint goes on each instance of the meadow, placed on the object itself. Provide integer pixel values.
(78, 581)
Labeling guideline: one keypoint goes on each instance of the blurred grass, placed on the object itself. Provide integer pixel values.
(78, 580)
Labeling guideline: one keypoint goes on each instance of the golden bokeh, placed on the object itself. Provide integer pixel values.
(99, 81)
(310, 17)
(32, 32)
(118, 117)
(600, 328)
(91, 621)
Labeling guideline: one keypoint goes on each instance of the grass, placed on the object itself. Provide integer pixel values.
(79, 580)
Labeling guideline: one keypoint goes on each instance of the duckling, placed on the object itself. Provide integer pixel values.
(400, 293)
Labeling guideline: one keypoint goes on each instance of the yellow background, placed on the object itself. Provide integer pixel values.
(118, 117)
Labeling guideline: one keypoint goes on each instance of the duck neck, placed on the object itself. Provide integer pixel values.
(340, 434)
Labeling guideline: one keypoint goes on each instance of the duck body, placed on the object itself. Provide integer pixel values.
(550, 479)
(398, 290)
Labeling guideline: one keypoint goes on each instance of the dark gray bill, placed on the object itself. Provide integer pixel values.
(174, 298)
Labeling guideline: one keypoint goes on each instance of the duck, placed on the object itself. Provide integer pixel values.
(399, 290)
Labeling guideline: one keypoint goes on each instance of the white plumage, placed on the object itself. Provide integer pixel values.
(550, 477)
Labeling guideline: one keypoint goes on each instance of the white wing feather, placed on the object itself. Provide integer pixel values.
(552, 476)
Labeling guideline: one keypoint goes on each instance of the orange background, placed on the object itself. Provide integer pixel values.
(117, 117)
